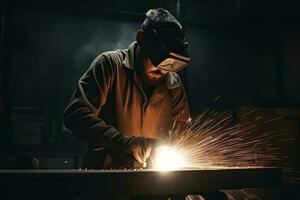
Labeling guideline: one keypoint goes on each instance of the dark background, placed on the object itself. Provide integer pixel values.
(244, 52)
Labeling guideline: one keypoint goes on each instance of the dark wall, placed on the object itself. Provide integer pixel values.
(243, 53)
(51, 51)
(291, 63)
(235, 64)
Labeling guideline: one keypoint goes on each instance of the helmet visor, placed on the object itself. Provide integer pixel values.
(173, 63)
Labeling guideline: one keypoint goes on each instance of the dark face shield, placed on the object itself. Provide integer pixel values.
(173, 63)
(162, 45)
(167, 60)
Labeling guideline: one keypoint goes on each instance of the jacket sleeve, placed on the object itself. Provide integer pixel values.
(180, 107)
(82, 113)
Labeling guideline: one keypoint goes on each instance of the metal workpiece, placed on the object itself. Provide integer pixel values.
(93, 184)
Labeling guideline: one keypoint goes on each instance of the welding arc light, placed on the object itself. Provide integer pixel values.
(167, 158)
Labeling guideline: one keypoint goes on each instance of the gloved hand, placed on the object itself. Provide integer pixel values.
(132, 152)
(140, 148)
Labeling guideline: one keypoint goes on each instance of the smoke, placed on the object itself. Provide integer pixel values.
(105, 36)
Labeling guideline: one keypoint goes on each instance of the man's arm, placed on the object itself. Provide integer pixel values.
(81, 114)
(180, 106)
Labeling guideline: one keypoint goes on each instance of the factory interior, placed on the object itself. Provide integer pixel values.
(244, 65)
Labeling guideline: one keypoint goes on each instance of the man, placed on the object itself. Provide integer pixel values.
(129, 98)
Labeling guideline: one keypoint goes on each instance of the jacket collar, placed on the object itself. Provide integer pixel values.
(171, 78)
(129, 56)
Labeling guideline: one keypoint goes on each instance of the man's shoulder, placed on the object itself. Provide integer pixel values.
(114, 58)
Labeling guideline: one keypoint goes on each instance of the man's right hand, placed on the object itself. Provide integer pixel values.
(140, 148)
(133, 153)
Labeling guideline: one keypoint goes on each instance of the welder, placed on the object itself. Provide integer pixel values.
(128, 98)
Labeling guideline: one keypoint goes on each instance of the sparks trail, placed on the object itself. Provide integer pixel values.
(215, 140)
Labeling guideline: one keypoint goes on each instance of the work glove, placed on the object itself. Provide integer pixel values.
(132, 152)
(138, 150)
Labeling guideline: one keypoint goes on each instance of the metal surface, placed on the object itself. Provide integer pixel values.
(97, 183)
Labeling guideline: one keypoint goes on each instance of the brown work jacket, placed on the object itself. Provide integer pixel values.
(109, 97)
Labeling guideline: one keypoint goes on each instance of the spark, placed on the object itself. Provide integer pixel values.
(214, 139)
(167, 158)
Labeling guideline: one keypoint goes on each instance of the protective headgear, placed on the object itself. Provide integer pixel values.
(166, 47)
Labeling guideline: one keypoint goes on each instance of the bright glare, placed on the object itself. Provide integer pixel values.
(167, 158)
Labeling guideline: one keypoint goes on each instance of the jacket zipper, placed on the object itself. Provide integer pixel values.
(145, 103)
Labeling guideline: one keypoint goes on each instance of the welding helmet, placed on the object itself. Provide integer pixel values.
(165, 46)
